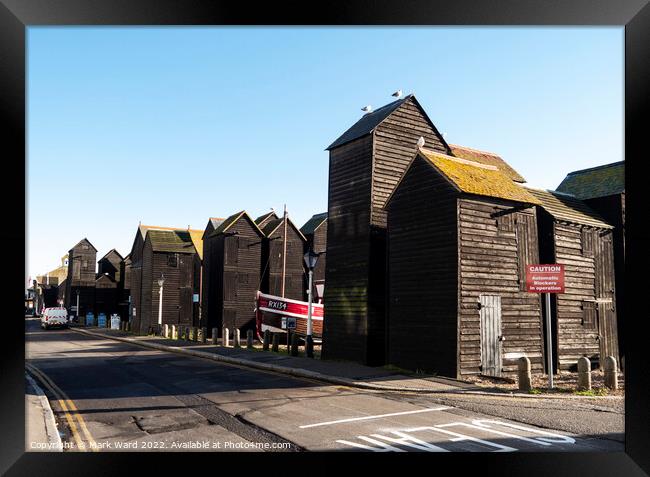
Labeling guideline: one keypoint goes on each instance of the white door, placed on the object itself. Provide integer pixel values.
(491, 337)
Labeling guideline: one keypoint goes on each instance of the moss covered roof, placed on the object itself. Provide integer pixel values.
(474, 178)
(568, 208)
(595, 182)
(488, 158)
(173, 241)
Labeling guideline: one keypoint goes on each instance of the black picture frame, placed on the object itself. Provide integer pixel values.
(17, 15)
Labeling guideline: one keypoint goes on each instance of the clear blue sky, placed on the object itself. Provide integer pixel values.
(170, 126)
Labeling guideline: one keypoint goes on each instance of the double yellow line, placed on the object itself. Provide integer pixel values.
(69, 410)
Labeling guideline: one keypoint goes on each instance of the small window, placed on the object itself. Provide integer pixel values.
(589, 311)
(172, 260)
(505, 223)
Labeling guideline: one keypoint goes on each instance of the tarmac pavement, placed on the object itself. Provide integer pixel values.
(128, 395)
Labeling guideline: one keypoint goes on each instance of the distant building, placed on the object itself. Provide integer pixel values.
(232, 250)
(81, 278)
(315, 231)
(282, 276)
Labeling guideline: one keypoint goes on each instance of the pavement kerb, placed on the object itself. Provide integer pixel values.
(303, 373)
(53, 436)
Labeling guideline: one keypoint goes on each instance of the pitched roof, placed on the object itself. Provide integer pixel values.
(262, 220)
(83, 240)
(368, 123)
(488, 158)
(312, 224)
(474, 178)
(144, 228)
(109, 252)
(568, 208)
(213, 222)
(175, 241)
(227, 223)
(600, 181)
(273, 225)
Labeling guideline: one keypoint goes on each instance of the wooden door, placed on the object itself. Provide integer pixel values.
(605, 290)
(185, 305)
(491, 337)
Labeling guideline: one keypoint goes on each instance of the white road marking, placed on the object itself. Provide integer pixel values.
(379, 416)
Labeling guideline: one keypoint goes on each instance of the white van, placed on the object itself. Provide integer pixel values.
(53, 317)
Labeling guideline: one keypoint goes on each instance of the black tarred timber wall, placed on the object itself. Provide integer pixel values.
(81, 278)
(580, 326)
(179, 286)
(423, 270)
(497, 240)
(232, 264)
(136, 282)
(445, 249)
(612, 209)
(271, 263)
(362, 174)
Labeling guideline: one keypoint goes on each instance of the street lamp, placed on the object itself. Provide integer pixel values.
(78, 313)
(161, 282)
(310, 260)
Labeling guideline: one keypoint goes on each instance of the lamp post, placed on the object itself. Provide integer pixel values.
(310, 260)
(161, 282)
(78, 312)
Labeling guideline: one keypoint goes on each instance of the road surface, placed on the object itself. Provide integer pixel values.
(114, 396)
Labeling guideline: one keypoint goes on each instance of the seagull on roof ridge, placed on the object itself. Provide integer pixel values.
(421, 142)
(397, 94)
(367, 109)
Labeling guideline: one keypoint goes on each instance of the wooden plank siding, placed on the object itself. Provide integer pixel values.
(422, 266)
(362, 174)
(81, 277)
(612, 209)
(316, 241)
(231, 276)
(348, 236)
(497, 239)
(272, 260)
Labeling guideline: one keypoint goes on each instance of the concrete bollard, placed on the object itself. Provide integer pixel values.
(611, 373)
(276, 343)
(523, 374)
(203, 335)
(215, 336)
(173, 332)
(267, 340)
(584, 374)
(249, 339)
(294, 344)
(166, 330)
(225, 337)
(237, 340)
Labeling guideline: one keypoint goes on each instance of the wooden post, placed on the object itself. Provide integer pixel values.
(166, 330)
(276, 343)
(215, 336)
(523, 366)
(249, 339)
(237, 340)
(203, 335)
(294, 344)
(611, 373)
(267, 340)
(584, 374)
(225, 340)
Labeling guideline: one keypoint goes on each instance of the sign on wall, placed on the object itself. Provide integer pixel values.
(545, 278)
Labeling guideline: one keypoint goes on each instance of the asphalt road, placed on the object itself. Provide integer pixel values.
(113, 396)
